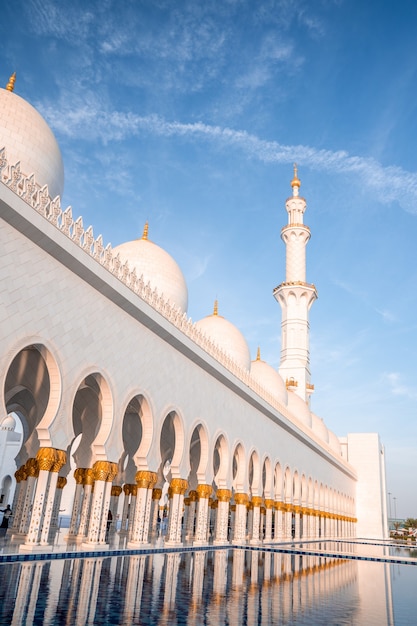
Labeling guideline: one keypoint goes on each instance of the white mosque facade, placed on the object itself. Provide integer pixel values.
(127, 405)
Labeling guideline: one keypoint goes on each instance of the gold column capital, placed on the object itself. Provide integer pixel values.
(126, 489)
(61, 459)
(101, 470)
(193, 495)
(156, 493)
(178, 486)
(223, 495)
(116, 490)
(46, 457)
(79, 475)
(256, 501)
(241, 498)
(113, 471)
(61, 482)
(32, 468)
(269, 504)
(204, 491)
(134, 490)
(146, 479)
(88, 477)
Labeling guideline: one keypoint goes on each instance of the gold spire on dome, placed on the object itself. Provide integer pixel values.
(216, 308)
(258, 354)
(12, 80)
(296, 182)
(145, 231)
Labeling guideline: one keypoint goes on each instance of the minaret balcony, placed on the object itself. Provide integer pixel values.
(309, 388)
(291, 383)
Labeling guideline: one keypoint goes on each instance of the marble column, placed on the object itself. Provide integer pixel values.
(101, 472)
(32, 472)
(177, 488)
(297, 525)
(239, 530)
(116, 490)
(191, 517)
(125, 511)
(256, 519)
(18, 499)
(222, 519)
(269, 505)
(88, 482)
(77, 503)
(202, 518)
(50, 462)
(156, 496)
(278, 522)
(61, 483)
(140, 530)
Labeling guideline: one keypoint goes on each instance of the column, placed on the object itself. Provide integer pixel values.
(88, 482)
(77, 504)
(297, 529)
(287, 522)
(278, 530)
(125, 512)
(201, 530)
(222, 520)
(256, 519)
(61, 483)
(132, 510)
(192, 506)
(156, 496)
(61, 459)
(116, 490)
(32, 472)
(140, 530)
(112, 473)
(269, 504)
(177, 488)
(239, 531)
(101, 470)
(46, 458)
(18, 499)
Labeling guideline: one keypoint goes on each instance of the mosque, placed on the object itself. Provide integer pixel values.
(112, 399)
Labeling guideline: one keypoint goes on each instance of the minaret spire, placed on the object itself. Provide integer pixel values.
(12, 80)
(296, 296)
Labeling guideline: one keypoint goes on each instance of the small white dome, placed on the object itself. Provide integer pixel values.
(299, 408)
(28, 139)
(269, 379)
(157, 267)
(9, 423)
(319, 427)
(227, 337)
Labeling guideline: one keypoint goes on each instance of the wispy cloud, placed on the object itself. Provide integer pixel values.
(398, 388)
(91, 122)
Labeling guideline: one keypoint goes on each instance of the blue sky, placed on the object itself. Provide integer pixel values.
(190, 114)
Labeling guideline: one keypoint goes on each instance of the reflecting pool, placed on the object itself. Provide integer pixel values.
(213, 587)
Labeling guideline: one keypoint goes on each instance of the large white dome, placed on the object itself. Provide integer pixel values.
(299, 408)
(269, 379)
(157, 267)
(227, 337)
(28, 139)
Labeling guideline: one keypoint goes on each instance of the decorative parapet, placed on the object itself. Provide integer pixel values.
(36, 196)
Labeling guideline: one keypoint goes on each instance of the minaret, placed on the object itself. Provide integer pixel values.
(296, 296)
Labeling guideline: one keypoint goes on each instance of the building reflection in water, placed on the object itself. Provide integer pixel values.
(212, 587)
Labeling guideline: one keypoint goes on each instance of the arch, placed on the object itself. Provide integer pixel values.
(198, 449)
(136, 433)
(296, 486)
(267, 479)
(32, 389)
(304, 491)
(287, 485)
(239, 468)
(278, 482)
(171, 444)
(254, 474)
(221, 460)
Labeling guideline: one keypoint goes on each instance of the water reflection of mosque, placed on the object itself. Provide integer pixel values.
(213, 587)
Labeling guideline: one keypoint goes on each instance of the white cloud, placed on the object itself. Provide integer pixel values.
(398, 388)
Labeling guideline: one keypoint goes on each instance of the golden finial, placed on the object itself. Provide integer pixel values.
(258, 354)
(295, 181)
(145, 231)
(12, 80)
(216, 308)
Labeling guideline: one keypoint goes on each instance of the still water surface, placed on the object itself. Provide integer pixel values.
(236, 587)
